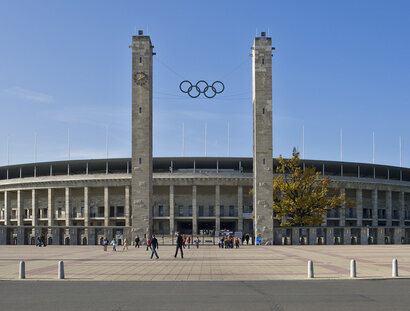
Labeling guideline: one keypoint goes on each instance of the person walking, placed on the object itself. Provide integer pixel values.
(221, 242)
(137, 241)
(148, 244)
(197, 242)
(188, 241)
(183, 240)
(105, 244)
(125, 247)
(247, 239)
(154, 246)
(179, 245)
(237, 242)
(114, 244)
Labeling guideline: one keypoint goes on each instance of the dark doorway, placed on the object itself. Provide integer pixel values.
(206, 227)
(228, 225)
(184, 227)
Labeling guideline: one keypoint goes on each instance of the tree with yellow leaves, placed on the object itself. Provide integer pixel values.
(302, 196)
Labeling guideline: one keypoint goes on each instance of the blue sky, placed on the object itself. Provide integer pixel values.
(338, 64)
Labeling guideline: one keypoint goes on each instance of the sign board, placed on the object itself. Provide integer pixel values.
(258, 240)
(238, 235)
(247, 215)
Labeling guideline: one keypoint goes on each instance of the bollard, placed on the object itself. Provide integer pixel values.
(395, 268)
(310, 270)
(22, 270)
(61, 270)
(352, 268)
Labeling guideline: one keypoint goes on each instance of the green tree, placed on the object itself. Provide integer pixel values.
(302, 196)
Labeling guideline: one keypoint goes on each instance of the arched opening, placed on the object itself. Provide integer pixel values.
(84, 241)
(67, 241)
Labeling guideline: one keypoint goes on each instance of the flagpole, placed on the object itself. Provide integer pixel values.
(35, 147)
(183, 138)
(229, 142)
(341, 144)
(303, 142)
(8, 149)
(373, 147)
(68, 143)
(106, 142)
(206, 128)
(400, 151)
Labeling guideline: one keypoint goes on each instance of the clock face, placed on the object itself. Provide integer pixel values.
(140, 78)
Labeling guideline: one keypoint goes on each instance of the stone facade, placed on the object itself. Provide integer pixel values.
(193, 202)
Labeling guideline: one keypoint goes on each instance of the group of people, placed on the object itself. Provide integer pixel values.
(182, 241)
(114, 244)
(41, 240)
(228, 241)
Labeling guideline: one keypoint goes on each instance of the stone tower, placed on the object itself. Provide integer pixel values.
(262, 138)
(141, 184)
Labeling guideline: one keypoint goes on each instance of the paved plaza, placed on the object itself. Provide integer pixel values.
(205, 263)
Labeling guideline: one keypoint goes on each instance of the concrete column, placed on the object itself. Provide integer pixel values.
(3, 236)
(7, 210)
(401, 209)
(398, 234)
(91, 236)
(20, 211)
(359, 207)
(380, 235)
(363, 236)
(262, 137)
(55, 235)
(171, 210)
(50, 207)
(330, 236)
(295, 236)
(347, 236)
(127, 206)
(86, 207)
(20, 236)
(194, 211)
(73, 236)
(68, 221)
(342, 219)
(141, 182)
(109, 234)
(312, 236)
(106, 207)
(240, 209)
(218, 208)
(388, 208)
(33, 207)
(374, 208)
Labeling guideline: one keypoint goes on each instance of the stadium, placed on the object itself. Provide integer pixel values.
(80, 202)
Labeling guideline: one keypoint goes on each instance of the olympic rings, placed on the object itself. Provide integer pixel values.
(201, 86)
